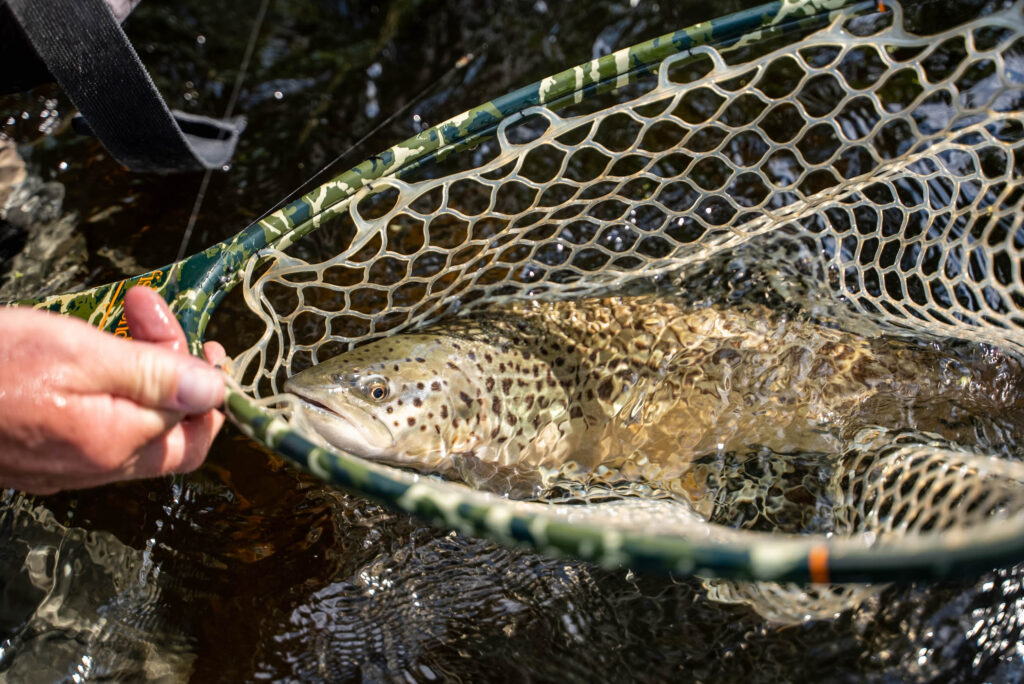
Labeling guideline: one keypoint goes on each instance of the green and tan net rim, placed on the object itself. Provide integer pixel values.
(902, 176)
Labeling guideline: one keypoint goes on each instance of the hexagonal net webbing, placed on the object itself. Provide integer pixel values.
(888, 161)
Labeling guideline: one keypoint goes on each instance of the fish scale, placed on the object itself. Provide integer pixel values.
(636, 387)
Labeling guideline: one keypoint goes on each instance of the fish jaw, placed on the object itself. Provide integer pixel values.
(342, 423)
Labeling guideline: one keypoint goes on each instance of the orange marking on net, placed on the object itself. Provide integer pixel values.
(147, 280)
(817, 564)
(881, 6)
(110, 306)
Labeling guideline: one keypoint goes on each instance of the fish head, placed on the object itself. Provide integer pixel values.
(401, 400)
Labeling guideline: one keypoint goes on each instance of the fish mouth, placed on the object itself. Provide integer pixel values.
(343, 425)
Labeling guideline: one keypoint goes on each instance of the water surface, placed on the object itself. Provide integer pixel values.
(250, 570)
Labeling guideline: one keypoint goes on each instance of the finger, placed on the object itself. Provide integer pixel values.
(200, 432)
(41, 486)
(126, 429)
(214, 352)
(180, 449)
(152, 376)
(150, 319)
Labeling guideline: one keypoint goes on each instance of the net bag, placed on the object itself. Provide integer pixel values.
(872, 171)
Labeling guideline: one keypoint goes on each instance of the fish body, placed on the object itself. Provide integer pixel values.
(635, 385)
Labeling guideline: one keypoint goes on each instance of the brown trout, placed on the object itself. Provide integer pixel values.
(637, 386)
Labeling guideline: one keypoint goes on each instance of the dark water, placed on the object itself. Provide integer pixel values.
(249, 570)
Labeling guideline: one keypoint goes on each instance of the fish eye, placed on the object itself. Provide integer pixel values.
(377, 390)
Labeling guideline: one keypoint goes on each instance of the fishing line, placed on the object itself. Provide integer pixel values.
(461, 63)
(228, 111)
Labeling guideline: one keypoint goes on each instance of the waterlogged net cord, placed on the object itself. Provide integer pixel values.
(905, 180)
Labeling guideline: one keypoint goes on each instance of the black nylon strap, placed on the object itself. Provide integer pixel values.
(85, 49)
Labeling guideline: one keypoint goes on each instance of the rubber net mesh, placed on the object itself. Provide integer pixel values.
(888, 162)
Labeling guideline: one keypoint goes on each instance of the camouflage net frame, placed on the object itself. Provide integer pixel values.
(892, 154)
(901, 173)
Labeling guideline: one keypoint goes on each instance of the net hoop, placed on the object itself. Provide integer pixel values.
(561, 530)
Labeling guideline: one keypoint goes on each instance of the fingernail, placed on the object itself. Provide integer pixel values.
(199, 389)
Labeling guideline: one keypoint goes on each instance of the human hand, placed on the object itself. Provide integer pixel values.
(80, 407)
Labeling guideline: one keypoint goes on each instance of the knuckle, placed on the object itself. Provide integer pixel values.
(154, 383)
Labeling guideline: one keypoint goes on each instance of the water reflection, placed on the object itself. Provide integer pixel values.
(80, 604)
(249, 570)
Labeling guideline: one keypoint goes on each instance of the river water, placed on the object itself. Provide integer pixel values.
(250, 570)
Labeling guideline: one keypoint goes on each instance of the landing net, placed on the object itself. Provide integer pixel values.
(889, 162)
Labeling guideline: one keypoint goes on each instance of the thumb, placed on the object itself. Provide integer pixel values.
(157, 378)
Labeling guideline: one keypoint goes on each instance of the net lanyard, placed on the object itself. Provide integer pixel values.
(91, 58)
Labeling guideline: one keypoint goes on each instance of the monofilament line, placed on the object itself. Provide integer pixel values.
(461, 63)
(228, 111)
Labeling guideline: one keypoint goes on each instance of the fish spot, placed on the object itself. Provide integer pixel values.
(390, 409)
(576, 412)
(530, 398)
(511, 419)
(496, 405)
(502, 440)
(472, 356)
(420, 385)
(437, 429)
(423, 428)
(435, 386)
(417, 402)
(506, 385)
(495, 432)
(396, 423)
(399, 402)
(419, 360)
(455, 422)
(466, 399)
(489, 384)
(543, 402)
(604, 390)
(411, 421)
(559, 362)
(396, 367)
(444, 411)
(488, 358)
